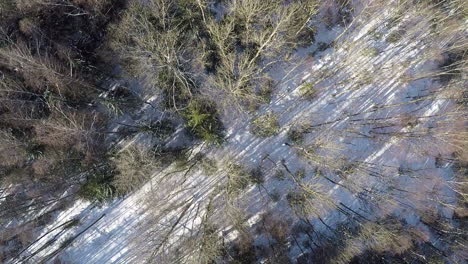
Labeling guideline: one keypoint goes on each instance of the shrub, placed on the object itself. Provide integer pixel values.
(322, 46)
(202, 119)
(279, 174)
(98, 186)
(27, 26)
(376, 34)
(13, 151)
(296, 134)
(306, 37)
(97, 189)
(207, 165)
(238, 178)
(210, 244)
(308, 91)
(394, 37)
(265, 125)
(275, 196)
(166, 156)
(370, 51)
(29, 5)
(121, 99)
(365, 78)
(175, 93)
(162, 129)
(97, 5)
(300, 173)
(306, 200)
(133, 168)
(297, 198)
(277, 226)
(244, 250)
(256, 176)
(266, 90)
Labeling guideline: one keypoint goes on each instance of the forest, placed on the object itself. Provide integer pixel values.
(234, 131)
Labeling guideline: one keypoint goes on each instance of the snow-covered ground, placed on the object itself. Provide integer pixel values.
(363, 147)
